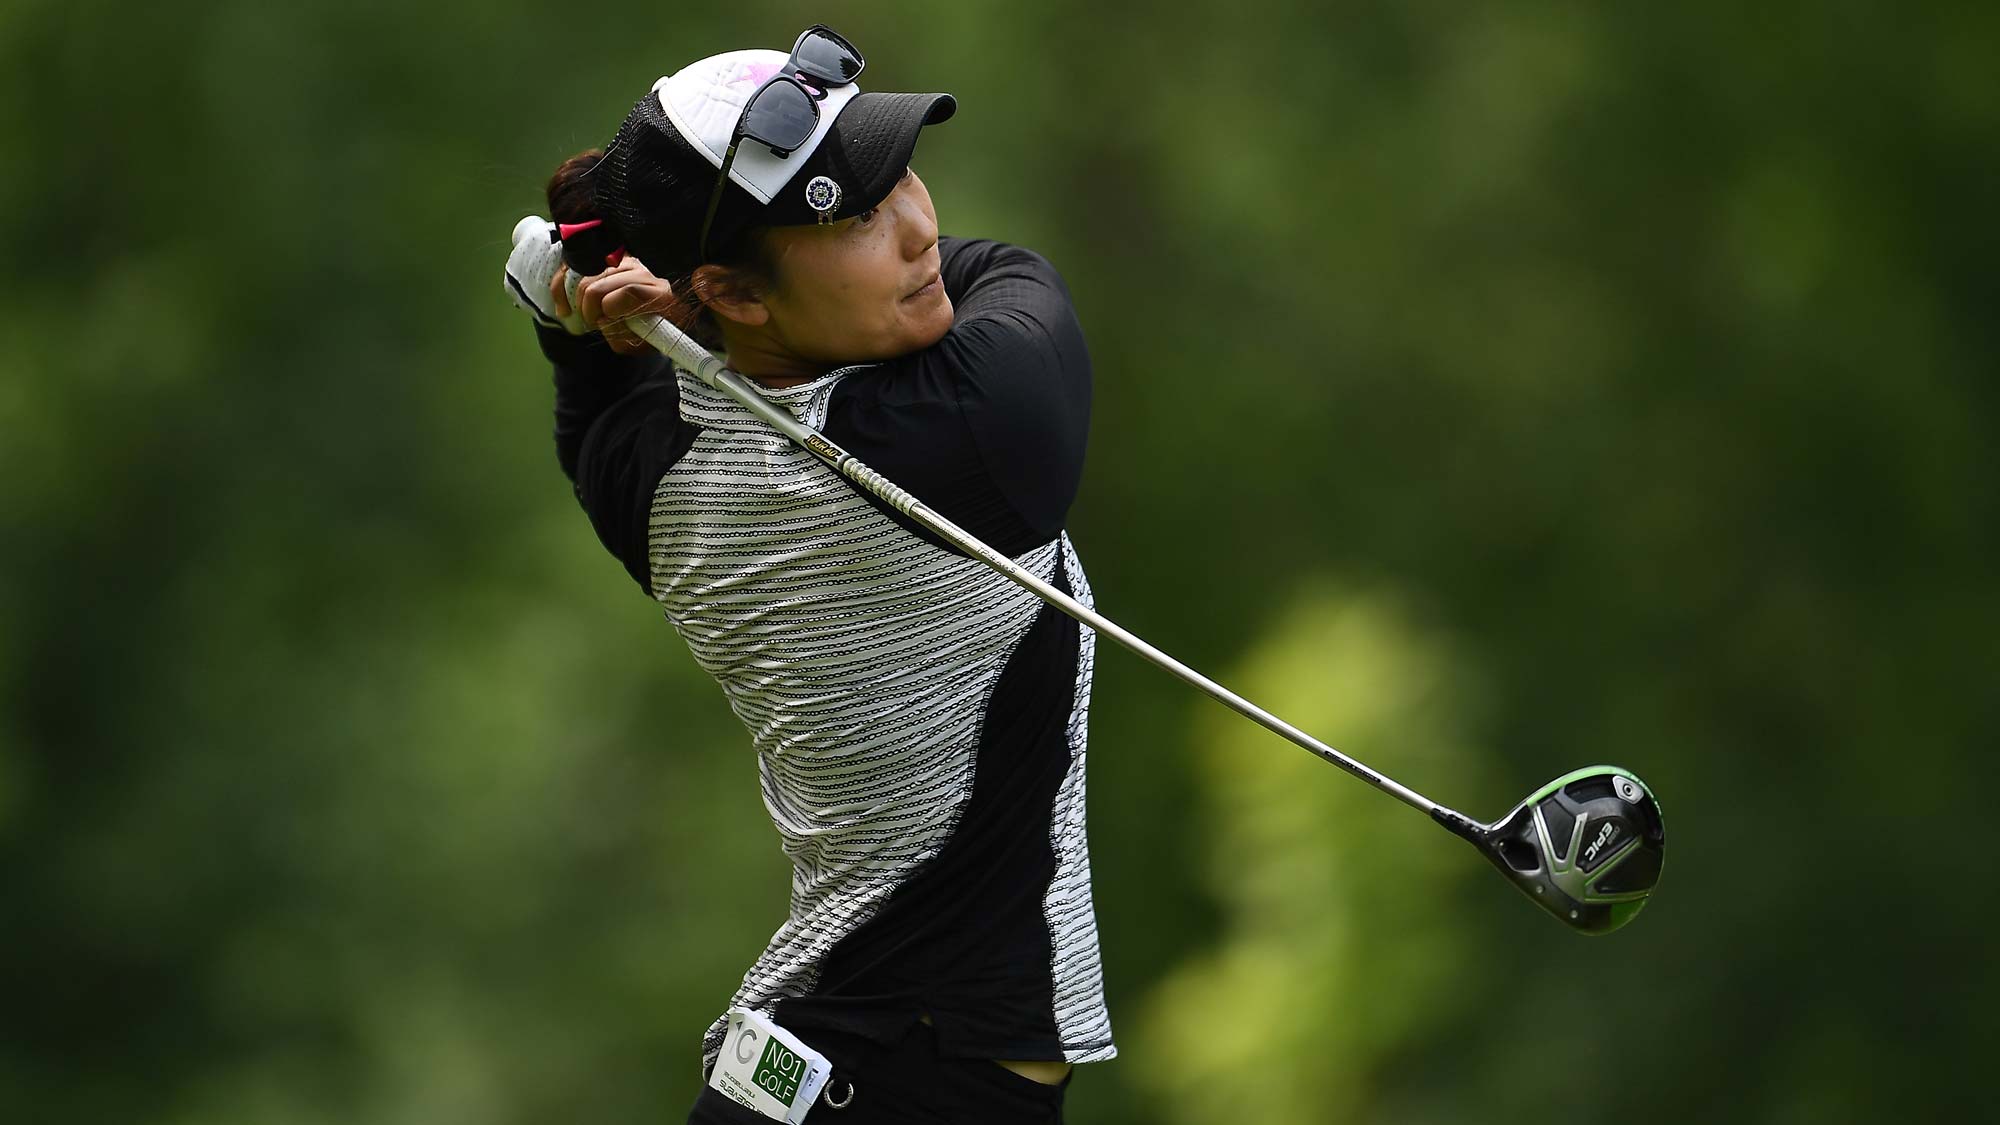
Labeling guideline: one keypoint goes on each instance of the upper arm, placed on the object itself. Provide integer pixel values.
(619, 465)
(589, 378)
(1024, 385)
(618, 428)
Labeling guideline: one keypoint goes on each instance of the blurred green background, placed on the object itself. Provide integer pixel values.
(1493, 389)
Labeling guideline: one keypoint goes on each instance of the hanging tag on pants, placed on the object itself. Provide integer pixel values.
(767, 1068)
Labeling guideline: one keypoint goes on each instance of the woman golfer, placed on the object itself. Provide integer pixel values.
(918, 720)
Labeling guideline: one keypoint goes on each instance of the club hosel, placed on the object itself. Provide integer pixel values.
(1459, 824)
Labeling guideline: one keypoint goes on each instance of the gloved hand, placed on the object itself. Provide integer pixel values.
(530, 270)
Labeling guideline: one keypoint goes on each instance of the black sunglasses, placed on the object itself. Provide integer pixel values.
(784, 111)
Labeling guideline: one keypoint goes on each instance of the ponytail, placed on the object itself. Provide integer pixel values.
(569, 188)
(593, 241)
(590, 243)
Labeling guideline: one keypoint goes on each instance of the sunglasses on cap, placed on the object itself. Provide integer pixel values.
(784, 111)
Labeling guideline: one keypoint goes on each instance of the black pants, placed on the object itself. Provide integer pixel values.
(904, 1083)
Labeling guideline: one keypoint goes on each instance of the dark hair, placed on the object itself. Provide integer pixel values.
(742, 250)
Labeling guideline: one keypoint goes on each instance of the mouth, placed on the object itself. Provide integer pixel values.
(927, 288)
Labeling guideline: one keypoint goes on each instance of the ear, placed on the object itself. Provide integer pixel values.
(726, 294)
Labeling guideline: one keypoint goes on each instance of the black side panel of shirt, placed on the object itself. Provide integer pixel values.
(987, 426)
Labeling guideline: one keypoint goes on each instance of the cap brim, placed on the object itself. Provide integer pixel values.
(864, 154)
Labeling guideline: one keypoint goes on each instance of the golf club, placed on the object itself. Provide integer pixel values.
(1587, 847)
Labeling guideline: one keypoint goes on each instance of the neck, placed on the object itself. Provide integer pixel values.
(765, 361)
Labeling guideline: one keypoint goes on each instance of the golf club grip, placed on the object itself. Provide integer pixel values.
(694, 358)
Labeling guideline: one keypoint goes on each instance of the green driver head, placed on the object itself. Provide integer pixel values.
(1586, 847)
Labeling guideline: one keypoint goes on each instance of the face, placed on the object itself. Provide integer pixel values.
(862, 289)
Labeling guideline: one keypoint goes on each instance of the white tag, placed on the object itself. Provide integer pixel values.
(766, 1068)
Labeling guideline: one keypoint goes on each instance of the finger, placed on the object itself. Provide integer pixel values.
(601, 302)
(620, 303)
(600, 295)
(626, 341)
(590, 299)
(558, 291)
(639, 299)
(631, 345)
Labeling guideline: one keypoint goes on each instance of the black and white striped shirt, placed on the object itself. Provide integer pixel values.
(919, 721)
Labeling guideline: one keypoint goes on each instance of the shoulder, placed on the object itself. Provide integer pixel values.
(994, 416)
(1014, 332)
(624, 455)
(1006, 295)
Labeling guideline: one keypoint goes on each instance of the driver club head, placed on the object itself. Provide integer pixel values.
(1587, 847)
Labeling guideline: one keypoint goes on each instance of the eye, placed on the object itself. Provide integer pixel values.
(863, 218)
(907, 174)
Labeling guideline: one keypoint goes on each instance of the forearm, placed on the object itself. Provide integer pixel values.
(589, 378)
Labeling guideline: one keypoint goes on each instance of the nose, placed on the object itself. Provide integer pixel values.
(917, 221)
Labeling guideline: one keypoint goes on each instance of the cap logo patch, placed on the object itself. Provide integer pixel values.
(755, 74)
(823, 195)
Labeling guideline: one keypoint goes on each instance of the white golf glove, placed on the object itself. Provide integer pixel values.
(532, 265)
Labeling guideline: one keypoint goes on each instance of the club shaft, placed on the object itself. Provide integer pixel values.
(692, 356)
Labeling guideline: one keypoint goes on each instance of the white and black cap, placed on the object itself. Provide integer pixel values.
(654, 182)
